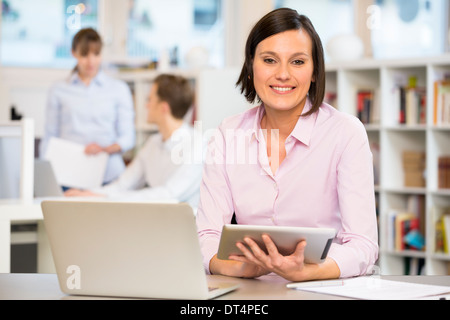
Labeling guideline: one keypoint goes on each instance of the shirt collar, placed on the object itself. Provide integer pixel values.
(99, 79)
(256, 128)
(302, 130)
(305, 125)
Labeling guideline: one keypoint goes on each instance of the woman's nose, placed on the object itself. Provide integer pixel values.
(283, 72)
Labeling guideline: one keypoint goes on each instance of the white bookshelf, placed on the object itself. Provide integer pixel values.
(346, 79)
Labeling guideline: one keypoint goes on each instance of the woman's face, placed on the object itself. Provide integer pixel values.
(88, 64)
(283, 70)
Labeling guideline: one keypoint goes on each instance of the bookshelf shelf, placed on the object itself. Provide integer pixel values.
(404, 105)
(405, 190)
(406, 253)
(441, 256)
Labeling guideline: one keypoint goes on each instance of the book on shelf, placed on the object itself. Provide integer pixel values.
(441, 217)
(406, 227)
(444, 172)
(441, 112)
(410, 103)
(331, 98)
(367, 106)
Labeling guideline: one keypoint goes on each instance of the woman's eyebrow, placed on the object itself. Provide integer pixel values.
(275, 54)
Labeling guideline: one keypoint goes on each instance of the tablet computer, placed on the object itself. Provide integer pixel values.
(285, 238)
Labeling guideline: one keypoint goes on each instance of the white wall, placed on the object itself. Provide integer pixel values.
(27, 88)
(240, 17)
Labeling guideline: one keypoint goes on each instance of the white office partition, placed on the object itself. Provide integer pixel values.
(218, 97)
(17, 159)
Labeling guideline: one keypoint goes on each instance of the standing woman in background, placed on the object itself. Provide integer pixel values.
(91, 108)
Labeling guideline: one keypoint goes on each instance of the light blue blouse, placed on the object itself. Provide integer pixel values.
(101, 113)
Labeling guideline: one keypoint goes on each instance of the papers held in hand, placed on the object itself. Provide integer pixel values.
(72, 167)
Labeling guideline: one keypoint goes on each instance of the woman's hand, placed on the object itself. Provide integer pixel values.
(81, 193)
(235, 268)
(255, 262)
(93, 149)
(290, 267)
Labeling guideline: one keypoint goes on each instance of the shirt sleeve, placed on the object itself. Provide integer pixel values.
(133, 178)
(216, 205)
(182, 185)
(126, 135)
(356, 249)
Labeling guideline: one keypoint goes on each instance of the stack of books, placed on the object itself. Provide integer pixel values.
(410, 102)
(406, 227)
(367, 106)
(414, 163)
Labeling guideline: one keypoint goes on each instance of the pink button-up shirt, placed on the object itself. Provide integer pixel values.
(326, 180)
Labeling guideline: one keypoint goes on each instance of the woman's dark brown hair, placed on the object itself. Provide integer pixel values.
(87, 40)
(277, 21)
(177, 91)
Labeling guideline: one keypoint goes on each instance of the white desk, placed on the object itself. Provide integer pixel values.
(45, 287)
(20, 211)
(15, 211)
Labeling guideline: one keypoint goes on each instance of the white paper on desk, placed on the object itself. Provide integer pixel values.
(72, 167)
(374, 288)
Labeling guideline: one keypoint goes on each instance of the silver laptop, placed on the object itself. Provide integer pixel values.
(140, 250)
(45, 183)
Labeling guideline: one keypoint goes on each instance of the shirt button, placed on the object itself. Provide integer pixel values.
(275, 186)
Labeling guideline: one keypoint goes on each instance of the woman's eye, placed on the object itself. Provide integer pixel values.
(298, 62)
(269, 60)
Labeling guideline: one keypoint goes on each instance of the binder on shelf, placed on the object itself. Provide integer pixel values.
(367, 106)
(444, 172)
(442, 229)
(441, 112)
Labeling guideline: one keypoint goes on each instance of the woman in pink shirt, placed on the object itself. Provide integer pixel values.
(292, 161)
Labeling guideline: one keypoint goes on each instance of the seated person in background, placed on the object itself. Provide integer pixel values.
(169, 165)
